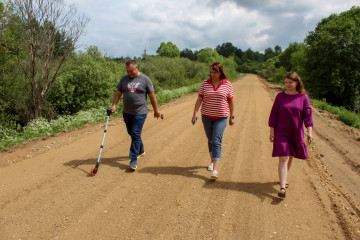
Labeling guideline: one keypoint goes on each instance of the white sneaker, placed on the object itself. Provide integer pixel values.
(214, 175)
(211, 167)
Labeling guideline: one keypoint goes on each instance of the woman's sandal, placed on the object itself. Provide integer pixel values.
(286, 185)
(282, 193)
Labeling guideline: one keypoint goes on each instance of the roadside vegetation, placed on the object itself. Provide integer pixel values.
(350, 118)
(38, 100)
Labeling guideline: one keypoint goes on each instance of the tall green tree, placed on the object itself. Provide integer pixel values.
(259, 57)
(188, 53)
(298, 59)
(333, 59)
(285, 56)
(168, 50)
(268, 53)
(239, 53)
(278, 50)
(226, 49)
(249, 54)
(209, 55)
(12, 86)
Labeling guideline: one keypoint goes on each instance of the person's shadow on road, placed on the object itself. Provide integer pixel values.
(174, 170)
(260, 190)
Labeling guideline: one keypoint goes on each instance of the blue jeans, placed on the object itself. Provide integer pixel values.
(214, 129)
(134, 126)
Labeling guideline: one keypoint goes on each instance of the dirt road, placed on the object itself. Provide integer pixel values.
(46, 191)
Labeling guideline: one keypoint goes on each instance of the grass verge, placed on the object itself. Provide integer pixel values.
(346, 116)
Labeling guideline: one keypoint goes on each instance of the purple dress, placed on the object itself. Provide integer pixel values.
(288, 115)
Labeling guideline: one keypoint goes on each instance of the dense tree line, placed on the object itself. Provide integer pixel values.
(328, 60)
(247, 61)
(332, 63)
(47, 86)
(42, 76)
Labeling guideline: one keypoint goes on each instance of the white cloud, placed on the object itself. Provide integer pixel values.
(126, 28)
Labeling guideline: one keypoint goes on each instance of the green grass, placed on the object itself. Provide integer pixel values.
(169, 95)
(41, 127)
(346, 116)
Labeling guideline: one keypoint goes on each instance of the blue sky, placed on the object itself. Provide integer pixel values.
(126, 28)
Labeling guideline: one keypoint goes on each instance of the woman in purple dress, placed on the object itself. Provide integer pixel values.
(291, 110)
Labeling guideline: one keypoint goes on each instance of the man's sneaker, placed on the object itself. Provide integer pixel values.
(132, 165)
(211, 167)
(214, 175)
(141, 155)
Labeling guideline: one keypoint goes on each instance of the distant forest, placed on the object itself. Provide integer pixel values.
(43, 76)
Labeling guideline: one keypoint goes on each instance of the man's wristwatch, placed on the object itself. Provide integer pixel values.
(232, 117)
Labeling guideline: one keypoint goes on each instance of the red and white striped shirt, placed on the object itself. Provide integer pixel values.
(215, 102)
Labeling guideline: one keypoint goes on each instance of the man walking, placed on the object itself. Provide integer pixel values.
(135, 87)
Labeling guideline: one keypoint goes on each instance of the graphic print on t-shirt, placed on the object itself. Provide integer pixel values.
(132, 87)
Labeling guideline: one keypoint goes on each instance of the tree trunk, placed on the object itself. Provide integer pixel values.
(43, 22)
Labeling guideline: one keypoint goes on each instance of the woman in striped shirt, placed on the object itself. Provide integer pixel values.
(216, 98)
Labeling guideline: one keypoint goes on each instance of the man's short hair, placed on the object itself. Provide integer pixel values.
(131, 62)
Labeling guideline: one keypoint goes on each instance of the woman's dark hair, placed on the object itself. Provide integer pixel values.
(218, 67)
(296, 78)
